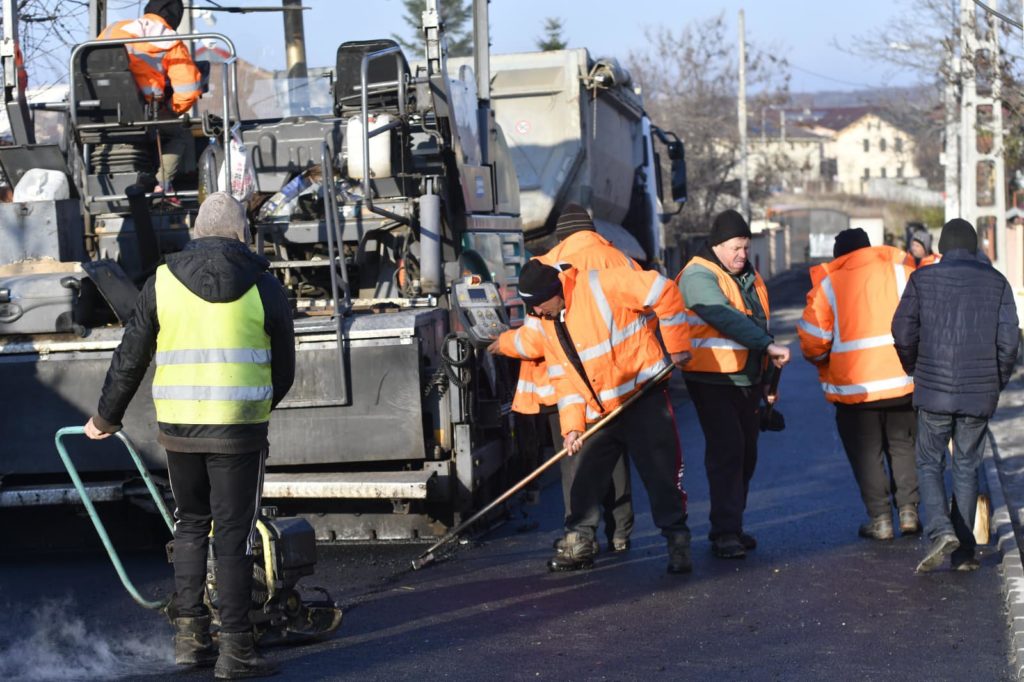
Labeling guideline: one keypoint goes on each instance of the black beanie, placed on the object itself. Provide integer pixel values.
(850, 239)
(728, 224)
(171, 10)
(538, 283)
(574, 218)
(958, 234)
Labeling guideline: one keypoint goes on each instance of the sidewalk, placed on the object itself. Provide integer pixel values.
(1004, 466)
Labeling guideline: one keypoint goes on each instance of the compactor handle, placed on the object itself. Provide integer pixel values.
(94, 516)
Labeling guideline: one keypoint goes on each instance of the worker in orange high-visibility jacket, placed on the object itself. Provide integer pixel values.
(845, 331)
(585, 249)
(728, 312)
(919, 247)
(595, 336)
(162, 64)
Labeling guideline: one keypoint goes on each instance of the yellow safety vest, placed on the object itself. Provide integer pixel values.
(712, 350)
(212, 359)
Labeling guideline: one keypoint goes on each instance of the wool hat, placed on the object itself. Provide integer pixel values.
(170, 10)
(850, 239)
(958, 234)
(727, 225)
(538, 283)
(574, 218)
(221, 215)
(919, 233)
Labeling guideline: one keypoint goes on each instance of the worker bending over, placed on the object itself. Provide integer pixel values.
(595, 337)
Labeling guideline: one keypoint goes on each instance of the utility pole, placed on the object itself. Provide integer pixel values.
(295, 52)
(741, 115)
(951, 147)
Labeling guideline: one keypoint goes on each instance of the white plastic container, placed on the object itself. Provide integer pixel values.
(380, 148)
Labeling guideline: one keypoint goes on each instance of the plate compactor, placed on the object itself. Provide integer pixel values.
(284, 553)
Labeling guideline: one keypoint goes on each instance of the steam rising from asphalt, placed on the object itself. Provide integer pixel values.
(54, 643)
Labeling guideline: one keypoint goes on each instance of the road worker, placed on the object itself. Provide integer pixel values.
(845, 332)
(581, 245)
(919, 247)
(160, 66)
(728, 312)
(221, 329)
(596, 338)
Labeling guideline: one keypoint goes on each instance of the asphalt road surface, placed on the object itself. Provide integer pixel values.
(812, 602)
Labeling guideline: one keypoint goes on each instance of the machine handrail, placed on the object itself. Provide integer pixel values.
(94, 516)
(364, 103)
(337, 262)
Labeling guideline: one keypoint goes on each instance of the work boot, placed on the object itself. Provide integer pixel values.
(619, 544)
(748, 541)
(878, 528)
(559, 545)
(679, 560)
(910, 522)
(238, 658)
(728, 547)
(943, 545)
(192, 642)
(577, 553)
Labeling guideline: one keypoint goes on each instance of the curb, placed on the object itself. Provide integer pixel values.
(1013, 568)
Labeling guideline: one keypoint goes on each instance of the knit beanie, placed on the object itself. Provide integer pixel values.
(848, 240)
(728, 224)
(920, 234)
(221, 216)
(538, 283)
(958, 234)
(574, 218)
(170, 10)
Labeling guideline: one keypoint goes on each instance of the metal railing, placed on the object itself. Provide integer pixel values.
(364, 103)
(335, 257)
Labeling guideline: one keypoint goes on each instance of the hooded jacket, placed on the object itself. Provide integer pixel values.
(217, 270)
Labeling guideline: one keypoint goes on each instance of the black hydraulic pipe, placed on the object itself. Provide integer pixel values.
(428, 557)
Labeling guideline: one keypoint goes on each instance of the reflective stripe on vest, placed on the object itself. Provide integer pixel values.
(212, 359)
(713, 352)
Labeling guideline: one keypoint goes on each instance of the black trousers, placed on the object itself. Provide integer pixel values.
(224, 490)
(617, 504)
(730, 419)
(647, 431)
(875, 438)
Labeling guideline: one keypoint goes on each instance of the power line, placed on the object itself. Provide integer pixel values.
(1000, 15)
(829, 78)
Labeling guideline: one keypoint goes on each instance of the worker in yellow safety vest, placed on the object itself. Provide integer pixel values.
(845, 332)
(220, 328)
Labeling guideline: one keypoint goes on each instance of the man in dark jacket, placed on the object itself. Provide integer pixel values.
(956, 332)
(220, 327)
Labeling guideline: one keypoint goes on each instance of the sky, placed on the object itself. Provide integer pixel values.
(803, 31)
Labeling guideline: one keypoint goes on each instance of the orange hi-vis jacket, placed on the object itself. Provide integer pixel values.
(846, 326)
(155, 63)
(606, 317)
(930, 259)
(713, 351)
(584, 251)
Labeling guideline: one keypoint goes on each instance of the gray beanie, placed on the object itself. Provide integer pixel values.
(221, 215)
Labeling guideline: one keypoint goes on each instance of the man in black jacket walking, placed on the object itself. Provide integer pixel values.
(956, 332)
(220, 328)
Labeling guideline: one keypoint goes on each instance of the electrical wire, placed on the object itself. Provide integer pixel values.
(999, 15)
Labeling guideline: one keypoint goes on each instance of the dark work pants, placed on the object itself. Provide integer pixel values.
(616, 505)
(730, 419)
(224, 489)
(874, 438)
(647, 431)
(934, 431)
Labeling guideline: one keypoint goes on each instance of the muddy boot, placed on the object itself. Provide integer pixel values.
(577, 552)
(192, 643)
(238, 658)
(679, 560)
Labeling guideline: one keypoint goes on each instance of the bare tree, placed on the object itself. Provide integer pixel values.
(689, 80)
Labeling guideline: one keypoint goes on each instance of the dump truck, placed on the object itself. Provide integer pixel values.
(395, 209)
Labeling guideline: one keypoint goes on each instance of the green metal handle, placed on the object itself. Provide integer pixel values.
(95, 517)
